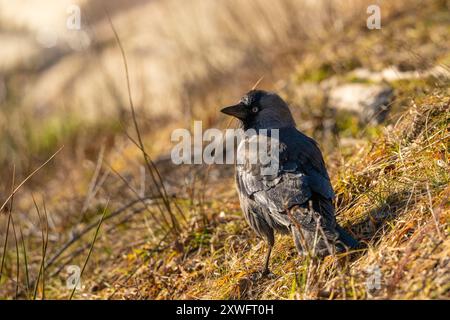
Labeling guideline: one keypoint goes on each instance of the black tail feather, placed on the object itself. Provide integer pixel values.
(346, 238)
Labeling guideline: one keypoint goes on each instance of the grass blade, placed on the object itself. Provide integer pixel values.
(91, 248)
(25, 258)
(5, 245)
(28, 178)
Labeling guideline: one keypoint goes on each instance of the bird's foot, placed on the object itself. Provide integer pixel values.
(270, 275)
(267, 274)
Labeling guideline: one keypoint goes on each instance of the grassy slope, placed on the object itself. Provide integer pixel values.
(392, 192)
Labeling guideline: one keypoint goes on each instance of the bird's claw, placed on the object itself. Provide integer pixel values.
(263, 274)
(270, 275)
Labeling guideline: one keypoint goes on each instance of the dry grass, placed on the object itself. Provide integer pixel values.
(183, 59)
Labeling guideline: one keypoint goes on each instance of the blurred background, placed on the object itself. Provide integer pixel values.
(67, 86)
(62, 85)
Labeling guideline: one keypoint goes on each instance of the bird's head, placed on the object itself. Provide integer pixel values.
(260, 109)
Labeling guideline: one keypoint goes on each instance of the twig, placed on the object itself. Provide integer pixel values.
(150, 167)
(154, 172)
(257, 83)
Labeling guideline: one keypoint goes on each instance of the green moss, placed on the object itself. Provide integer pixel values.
(316, 74)
(45, 137)
(411, 86)
(355, 79)
(347, 124)
(200, 238)
(374, 132)
(233, 227)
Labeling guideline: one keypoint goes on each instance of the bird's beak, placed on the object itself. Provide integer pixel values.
(238, 110)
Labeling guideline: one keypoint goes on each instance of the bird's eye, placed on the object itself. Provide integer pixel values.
(255, 109)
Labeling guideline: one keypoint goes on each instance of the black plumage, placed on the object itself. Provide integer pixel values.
(296, 199)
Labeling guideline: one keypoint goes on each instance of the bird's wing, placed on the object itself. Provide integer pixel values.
(301, 176)
(301, 154)
(288, 185)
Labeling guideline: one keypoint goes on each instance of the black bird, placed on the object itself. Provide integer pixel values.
(298, 198)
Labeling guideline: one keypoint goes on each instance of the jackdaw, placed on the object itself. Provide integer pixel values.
(298, 197)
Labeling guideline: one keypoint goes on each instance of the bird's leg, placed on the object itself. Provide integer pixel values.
(266, 270)
(265, 273)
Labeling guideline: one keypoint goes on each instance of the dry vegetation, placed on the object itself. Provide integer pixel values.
(111, 201)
